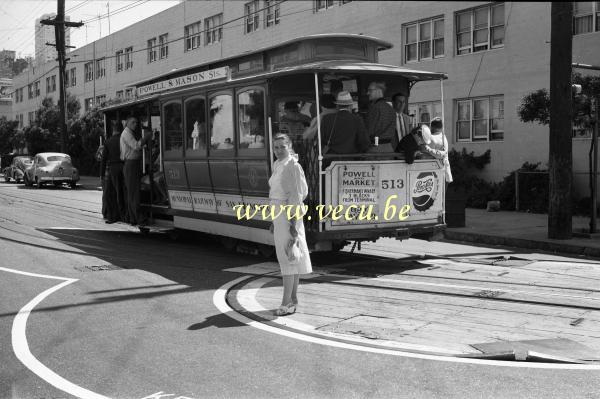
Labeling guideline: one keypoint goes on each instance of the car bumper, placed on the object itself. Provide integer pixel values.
(59, 179)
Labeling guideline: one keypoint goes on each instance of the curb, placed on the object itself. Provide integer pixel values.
(549, 246)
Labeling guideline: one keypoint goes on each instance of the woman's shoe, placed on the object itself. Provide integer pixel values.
(285, 310)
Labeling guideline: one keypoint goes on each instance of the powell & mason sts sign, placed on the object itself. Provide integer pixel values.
(186, 80)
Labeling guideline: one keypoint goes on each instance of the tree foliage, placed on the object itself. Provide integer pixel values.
(19, 65)
(7, 130)
(535, 106)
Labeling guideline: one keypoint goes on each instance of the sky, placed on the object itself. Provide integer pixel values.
(17, 19)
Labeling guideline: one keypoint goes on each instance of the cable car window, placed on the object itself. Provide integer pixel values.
(195, 126)
(221, 122)
(173, 130)
(251, 118)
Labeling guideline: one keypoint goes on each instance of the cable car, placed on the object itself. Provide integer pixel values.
(214, 124)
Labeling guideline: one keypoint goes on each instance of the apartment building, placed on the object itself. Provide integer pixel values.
(494, 54)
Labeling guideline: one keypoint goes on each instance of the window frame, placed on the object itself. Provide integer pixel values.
(196, 154)
(594, 14)
(119, 59)
(489, 117)
(432, 39)
(151, 49)
(128, 54)
(88, 71)
(100, 68)
(163, 46)
(272, 13)
(251, 152)
(224, 152)
(73, 77)
(171, 154)
(215, 31)
(471, 48)
(194, 37)
(251, 16)
(36, 86)
(416, 120)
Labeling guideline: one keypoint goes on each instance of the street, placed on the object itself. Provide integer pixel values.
(101, 311)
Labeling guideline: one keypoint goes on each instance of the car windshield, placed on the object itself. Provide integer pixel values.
(26, 161)
(58, 158)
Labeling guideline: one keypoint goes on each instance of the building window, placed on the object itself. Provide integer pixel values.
(424, 40)
(163, 42)
(152, 50)
(73, 77)
(31, 117)
(192, 35)
(36, 88)
(128, 94)
(480, 29)
(88, 103)
(323, 4)
(271, 12)
(214, 29)
(119, 57)
(129, 57)
(423, 113)
(30, 91)
(100, 68)
(100, 100)
(19, 98)
(51, 84)
(586, 17)
(120, 94)
(251, 16)
(480, 119)
(20, 120)
(88, 71)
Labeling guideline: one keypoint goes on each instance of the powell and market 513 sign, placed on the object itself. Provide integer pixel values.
(194, 78)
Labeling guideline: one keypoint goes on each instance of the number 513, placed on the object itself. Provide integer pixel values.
(391, 184)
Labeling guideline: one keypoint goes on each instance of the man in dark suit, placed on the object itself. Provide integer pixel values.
(343, 132)
(402, 119)
(113, 183)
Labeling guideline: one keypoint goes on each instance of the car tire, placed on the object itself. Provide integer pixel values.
(7, 179)
(73, 185)
(38, 183)
(26, 181)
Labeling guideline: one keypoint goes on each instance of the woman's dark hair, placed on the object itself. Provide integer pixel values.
(436, 123)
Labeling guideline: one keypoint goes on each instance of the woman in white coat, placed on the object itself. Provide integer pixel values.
(288, 187)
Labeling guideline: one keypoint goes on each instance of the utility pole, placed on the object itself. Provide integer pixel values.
(561, 112)
(60, 24)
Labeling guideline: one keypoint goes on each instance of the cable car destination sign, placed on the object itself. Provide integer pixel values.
(186, 80)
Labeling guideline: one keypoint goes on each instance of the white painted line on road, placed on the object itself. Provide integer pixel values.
(219, 300)
(21, 347)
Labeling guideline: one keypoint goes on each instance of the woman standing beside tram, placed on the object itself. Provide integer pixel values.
(288, 187)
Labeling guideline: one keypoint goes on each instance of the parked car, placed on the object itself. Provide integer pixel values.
(51, 168)
(16, 170)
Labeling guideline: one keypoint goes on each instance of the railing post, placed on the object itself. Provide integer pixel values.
(516, 190)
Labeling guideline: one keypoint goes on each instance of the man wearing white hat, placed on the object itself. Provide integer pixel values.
(344, 132)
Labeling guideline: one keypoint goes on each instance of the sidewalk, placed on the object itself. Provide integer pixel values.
(522, 230)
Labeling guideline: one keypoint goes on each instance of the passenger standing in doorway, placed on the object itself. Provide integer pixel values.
(288, 187)
(114, 183)
(343, 132)
(381, 120)
(131, 154)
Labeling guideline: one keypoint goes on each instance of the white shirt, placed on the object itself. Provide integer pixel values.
(131, 149)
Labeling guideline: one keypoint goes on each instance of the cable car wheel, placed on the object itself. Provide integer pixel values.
(229, 243)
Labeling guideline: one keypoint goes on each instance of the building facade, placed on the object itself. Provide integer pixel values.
(494, 55)
(45, 34)
(7, 59)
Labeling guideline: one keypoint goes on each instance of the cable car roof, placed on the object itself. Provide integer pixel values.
(358, 67)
